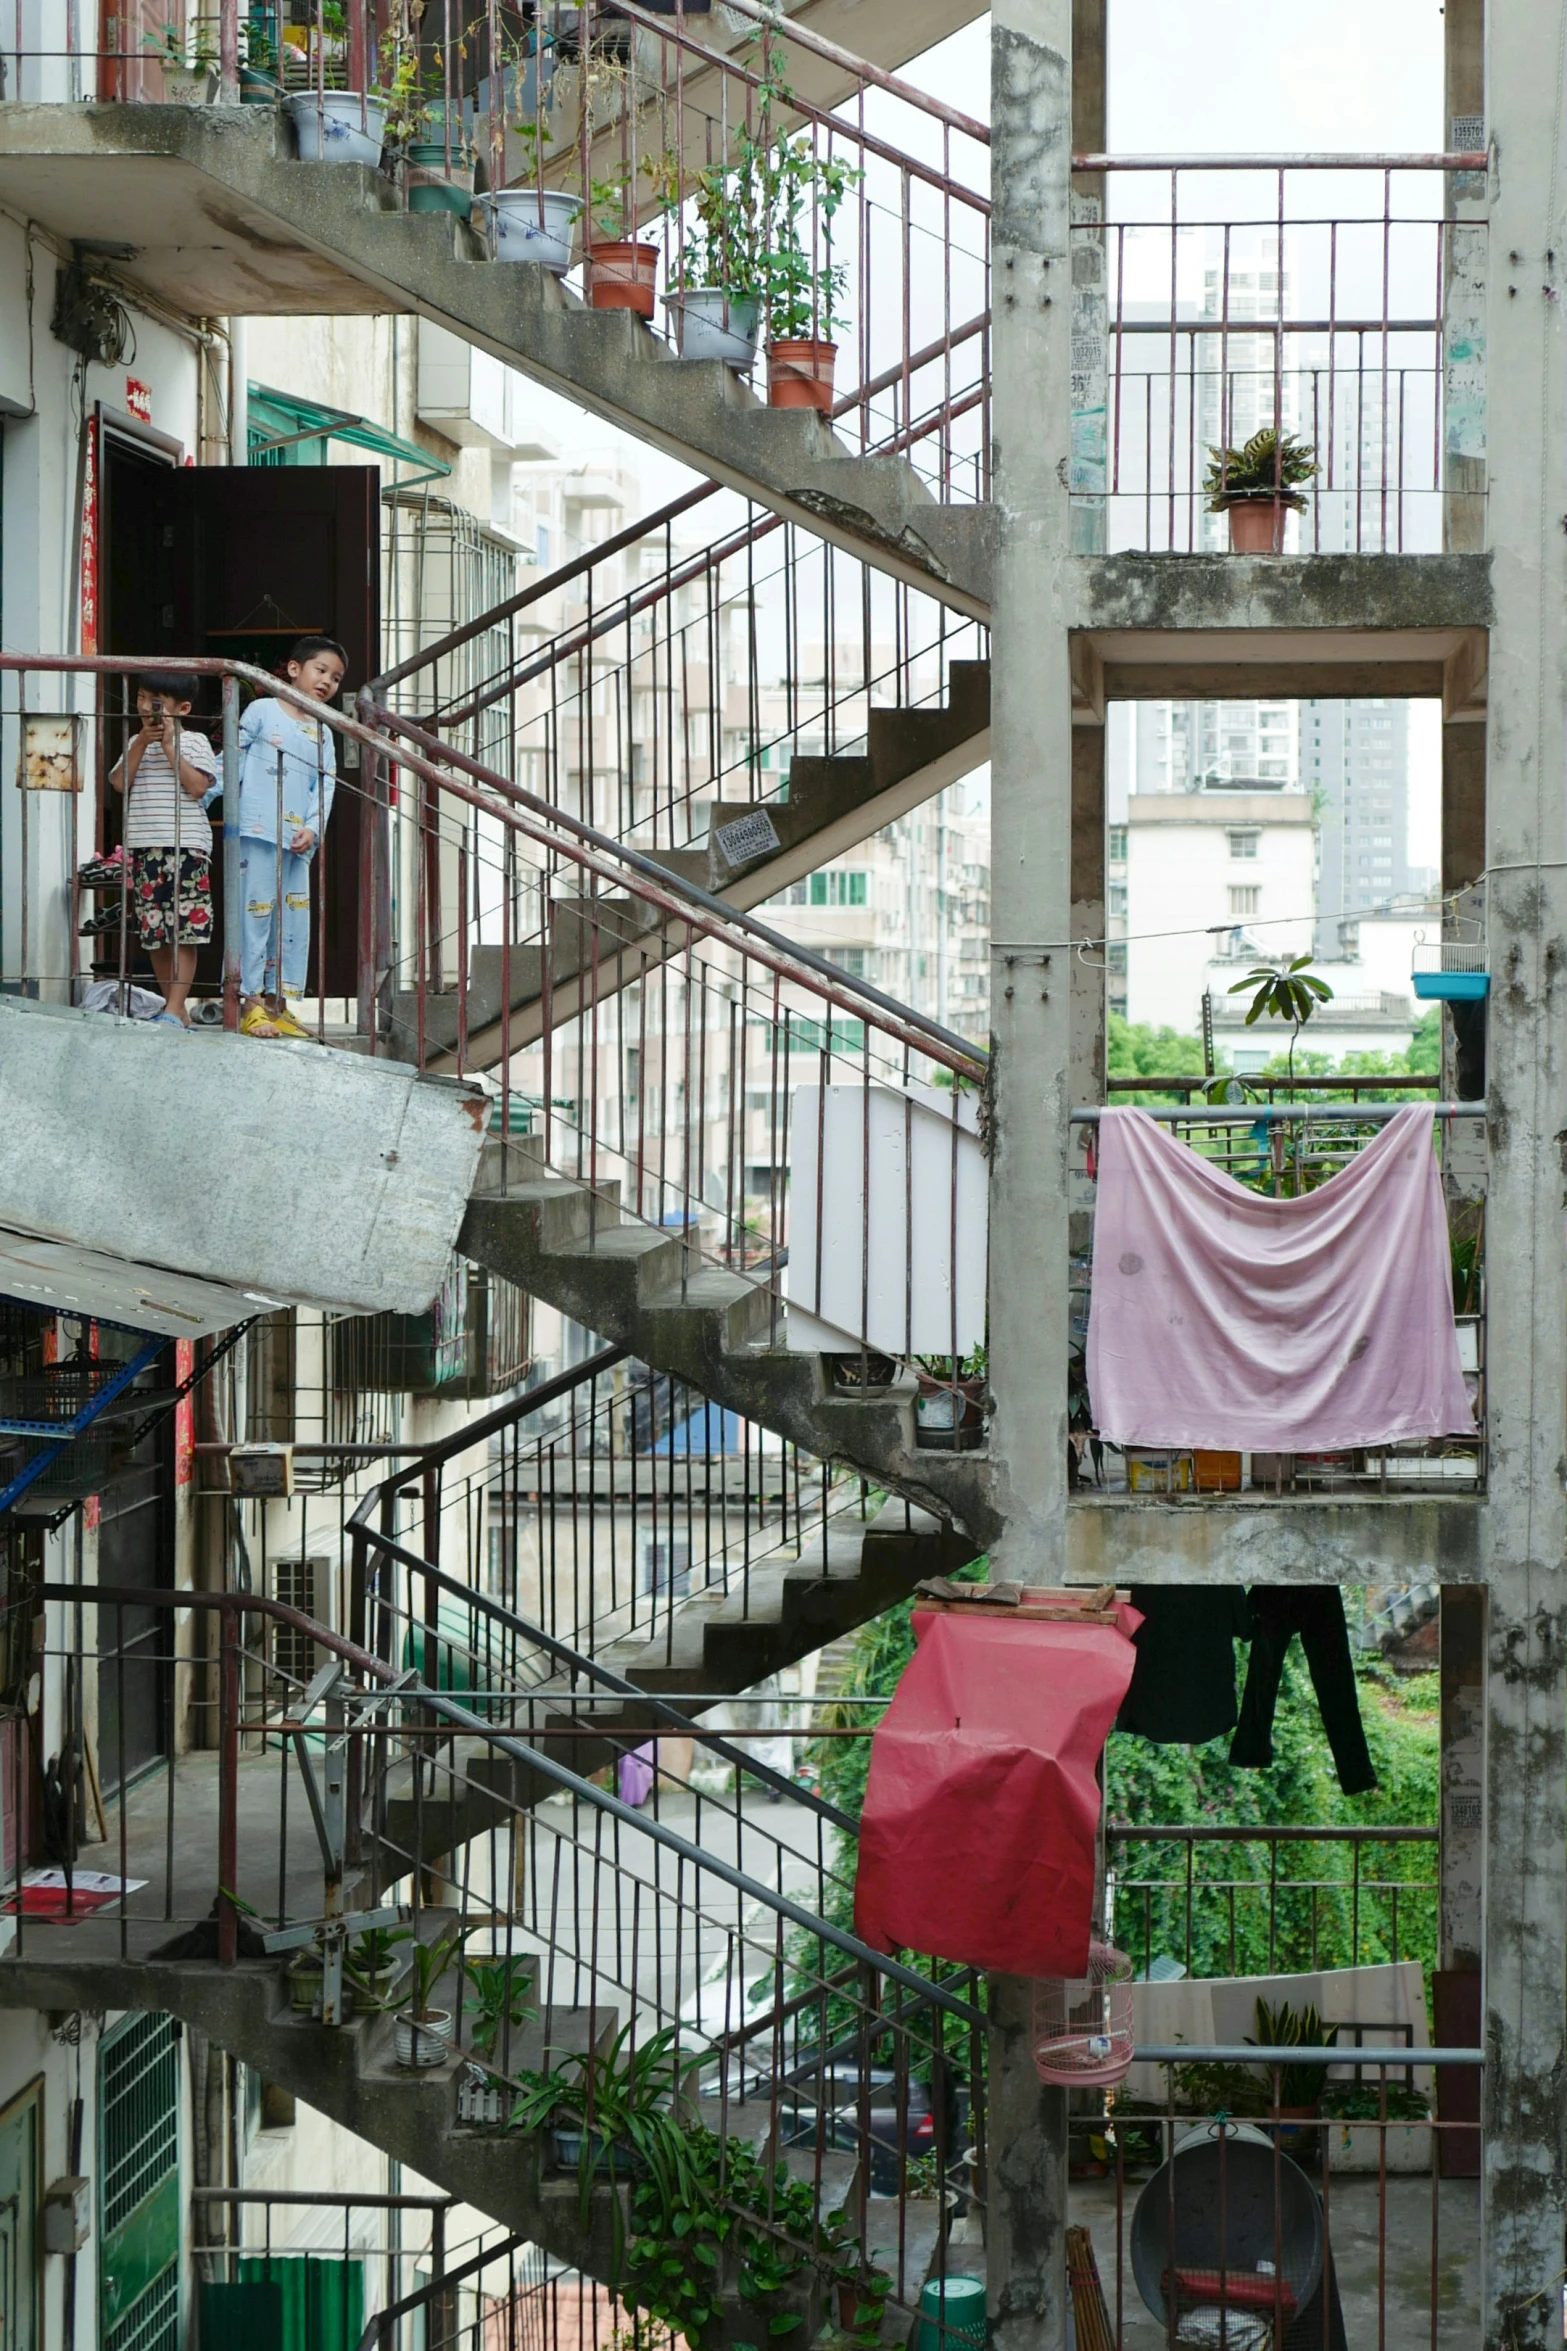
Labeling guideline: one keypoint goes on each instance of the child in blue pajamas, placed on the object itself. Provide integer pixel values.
(288, 774)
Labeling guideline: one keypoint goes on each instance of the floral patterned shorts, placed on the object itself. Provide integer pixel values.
(153, 873)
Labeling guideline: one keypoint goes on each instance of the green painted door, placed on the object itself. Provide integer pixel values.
(139, 2186)
(19, 2224)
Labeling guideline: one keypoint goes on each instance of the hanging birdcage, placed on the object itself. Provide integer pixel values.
(1083, 2024)
(1452, 971)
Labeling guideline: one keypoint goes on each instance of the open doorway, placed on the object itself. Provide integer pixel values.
(236, 562)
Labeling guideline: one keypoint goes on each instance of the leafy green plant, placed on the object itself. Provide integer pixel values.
(368, 1960)
(1267, 466)
(607, 204)
(499, 1989)
(1219, 2089)
(1292, 994)
(1362, 2102)
(947, 1367)
(801, 283)
(430, 1962)
(1287, 2027)
(619, 2099)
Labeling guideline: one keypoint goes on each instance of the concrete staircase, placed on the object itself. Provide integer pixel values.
(718, 1330)
(211, 212)
(348, 2073)
(833, 804)
(713, 1645)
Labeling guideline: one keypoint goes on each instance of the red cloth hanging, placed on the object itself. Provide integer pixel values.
(977, 1837)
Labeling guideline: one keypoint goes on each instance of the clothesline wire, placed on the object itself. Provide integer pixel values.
(1445, 904)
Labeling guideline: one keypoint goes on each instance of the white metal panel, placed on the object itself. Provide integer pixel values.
(891, 1250)
(466, 394)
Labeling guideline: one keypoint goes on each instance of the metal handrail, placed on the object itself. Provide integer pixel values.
(577, 1661)
(1465, 159)
(235, 1606)
(593, 851)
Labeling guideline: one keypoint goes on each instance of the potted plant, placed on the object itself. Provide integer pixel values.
(864, 1373)
(1299, 2088)
(333, 124)
(621, 272)
(1255, 486)
(527, 221)
(949, 1414)
(424, 2031)
(304, 1983)
(1372, 2128)
(719, 284)
(612, 2117)
(500, 1991)
(186, 82)
(371, 1967)
(802, 282)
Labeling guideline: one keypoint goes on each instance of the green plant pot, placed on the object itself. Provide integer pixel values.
(432, 187)
(258, 89)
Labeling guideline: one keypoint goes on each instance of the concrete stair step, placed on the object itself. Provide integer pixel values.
(833, 805)
(324, 237)
(537, 1235)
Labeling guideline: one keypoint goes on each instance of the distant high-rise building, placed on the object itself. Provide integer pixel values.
(1354, 757)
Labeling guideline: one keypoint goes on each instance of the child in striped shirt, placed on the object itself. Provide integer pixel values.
(166, 772)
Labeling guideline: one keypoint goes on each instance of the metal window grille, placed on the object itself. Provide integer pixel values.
(294, 1583)
(153, 2321)
(138, 2141)
(139, 2112)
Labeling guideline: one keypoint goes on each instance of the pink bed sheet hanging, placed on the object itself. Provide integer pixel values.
(1224, 1318)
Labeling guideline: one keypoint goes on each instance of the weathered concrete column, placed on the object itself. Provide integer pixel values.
(1031, 771)
(1525, 1531)
(1460, 1931)
(1087, 1057)
(1464, 275)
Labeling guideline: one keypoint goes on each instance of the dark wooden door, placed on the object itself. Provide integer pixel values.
(239, 561)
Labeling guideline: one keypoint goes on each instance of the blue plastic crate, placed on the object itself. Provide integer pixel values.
(1452, 987)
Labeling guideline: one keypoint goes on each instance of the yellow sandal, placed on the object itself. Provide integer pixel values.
(257, 1021)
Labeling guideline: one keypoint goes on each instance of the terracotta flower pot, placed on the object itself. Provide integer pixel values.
(622, 277)
(800, 373)
(1257, 526)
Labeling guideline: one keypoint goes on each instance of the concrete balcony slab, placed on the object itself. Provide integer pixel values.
(1212, 1539)
(1158, 627)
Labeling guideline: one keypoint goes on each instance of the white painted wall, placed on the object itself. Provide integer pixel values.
(1179, 875)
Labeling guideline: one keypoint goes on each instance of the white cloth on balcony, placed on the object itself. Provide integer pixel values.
(1224, 1318)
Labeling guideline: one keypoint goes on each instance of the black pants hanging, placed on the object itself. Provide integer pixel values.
(1316, 1612)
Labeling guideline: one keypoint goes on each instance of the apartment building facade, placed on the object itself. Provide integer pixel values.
(570, 909)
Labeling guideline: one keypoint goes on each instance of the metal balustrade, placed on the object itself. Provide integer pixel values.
(741, 151)
(656, 679)
(718, 1917)
(667, 1040)
(312, 1815)
(1337, 298)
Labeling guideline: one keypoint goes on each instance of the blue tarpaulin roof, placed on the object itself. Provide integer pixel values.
(710, 1429)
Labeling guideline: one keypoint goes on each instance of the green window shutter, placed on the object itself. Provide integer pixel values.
(320, 2303)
